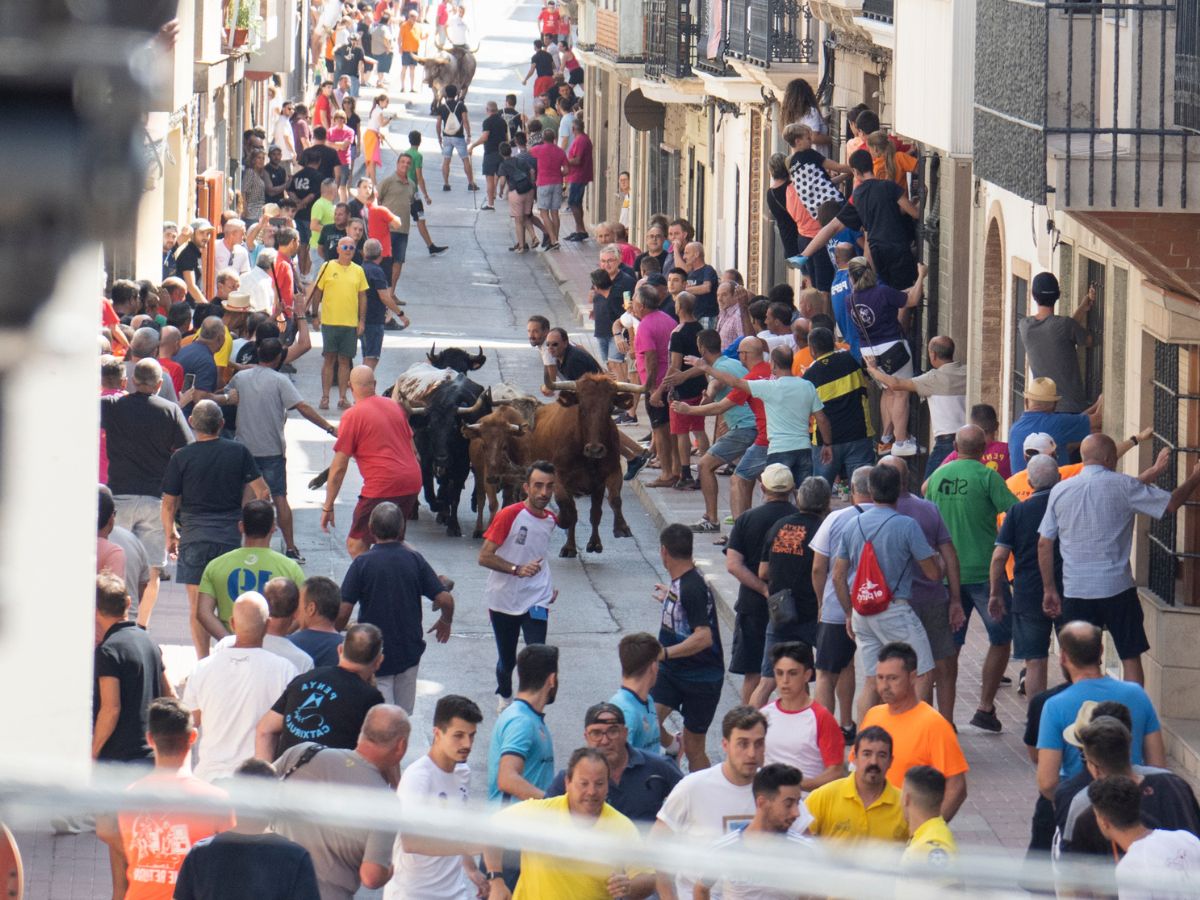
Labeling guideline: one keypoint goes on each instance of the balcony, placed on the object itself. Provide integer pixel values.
(1095, 103)
(669, 32)
(879, 10)
(619, 34)
(770, 32)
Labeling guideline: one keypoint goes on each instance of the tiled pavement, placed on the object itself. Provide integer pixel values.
(1001, 784)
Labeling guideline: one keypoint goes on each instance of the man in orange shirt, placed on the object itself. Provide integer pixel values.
(920, 736)
(410, 46)
(147, 848)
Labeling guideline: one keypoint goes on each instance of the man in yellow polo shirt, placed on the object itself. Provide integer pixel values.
(546, 878)
(342, 285)
(861, 806)
(931, 842)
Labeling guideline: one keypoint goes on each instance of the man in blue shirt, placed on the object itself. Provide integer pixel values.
(1081, 655)
(521, 755)
(387, 583)
(1067, 429)
(639, 653)
(839, 297)
(638, 781)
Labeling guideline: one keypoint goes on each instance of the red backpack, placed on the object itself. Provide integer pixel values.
(870, 593)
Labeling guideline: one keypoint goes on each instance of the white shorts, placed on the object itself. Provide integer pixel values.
(899, 622)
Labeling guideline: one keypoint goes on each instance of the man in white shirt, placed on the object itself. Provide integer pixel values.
(230, 691)
(1158, 864)
(231, 250)
(283, 137)
(801, 732)
(427, 869)
(944, 388)
(259, 282)
(519, 590)
(283, 600)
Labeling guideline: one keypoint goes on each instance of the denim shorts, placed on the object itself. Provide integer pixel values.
(549, 197)
(847, 456)
(372, 341)
(1031, 635)
(732, 444)
(975, 597)
(805, 632)
(575, 193)
(450, 143)
(753, 461)
(399, 246)
(800, 462)
(607, 345)
(195, 556)
(274, 472)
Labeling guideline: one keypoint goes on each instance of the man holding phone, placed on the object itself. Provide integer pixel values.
(519, 590)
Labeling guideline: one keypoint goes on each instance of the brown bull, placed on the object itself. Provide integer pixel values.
(454, 66)
(496, 459)
(577, 434)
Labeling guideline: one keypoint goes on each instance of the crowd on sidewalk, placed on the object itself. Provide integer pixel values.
(846, 558)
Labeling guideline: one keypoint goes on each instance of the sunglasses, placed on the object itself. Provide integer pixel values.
(346, 246)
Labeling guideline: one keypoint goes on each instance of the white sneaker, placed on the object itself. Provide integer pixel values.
(502, 703)
(907, 447)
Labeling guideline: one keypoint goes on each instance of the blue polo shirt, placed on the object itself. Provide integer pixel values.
(1065, 428)
(521, 731)
(640, 718)
(645, 784)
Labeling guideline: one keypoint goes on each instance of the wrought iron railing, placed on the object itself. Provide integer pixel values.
(771, 31)
(712, 36)
(669, 33)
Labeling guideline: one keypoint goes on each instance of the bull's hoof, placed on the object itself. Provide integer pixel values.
(568, 552)
(453, 530)
(594, 546)
(622, 530)
(477, 533)
(441, 517)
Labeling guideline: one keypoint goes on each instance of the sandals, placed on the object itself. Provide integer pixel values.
(324, 404)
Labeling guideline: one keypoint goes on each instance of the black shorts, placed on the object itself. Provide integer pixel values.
(1121, 616)
(749, 642)
(416, 209)
(895, 265)
(696, 701)
(835, 650)
(660, 416)
(491, 163)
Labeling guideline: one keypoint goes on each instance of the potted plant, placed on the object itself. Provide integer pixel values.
(240, 13)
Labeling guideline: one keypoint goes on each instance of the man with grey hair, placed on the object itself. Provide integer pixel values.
(142, 431)
(346, 859)
(259, 282)
(702, 281)
(944, 388)
(380, 300)
(1018, 539)
(144, 345)
(227, 282)
(607, 309)
(229, 692)
(231, 250)
(205, 482)
(940, 612)
(199, 359)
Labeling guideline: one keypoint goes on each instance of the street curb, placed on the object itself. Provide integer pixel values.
(569, 291)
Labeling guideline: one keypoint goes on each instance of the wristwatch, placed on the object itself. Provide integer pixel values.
(492, 876)
(513, 571)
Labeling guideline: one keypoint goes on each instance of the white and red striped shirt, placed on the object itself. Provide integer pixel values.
(521, 536)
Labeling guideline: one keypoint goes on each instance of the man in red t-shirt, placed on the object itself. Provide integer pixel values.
(752, 355)
(375, 431)
(287, 245)
(548, 22)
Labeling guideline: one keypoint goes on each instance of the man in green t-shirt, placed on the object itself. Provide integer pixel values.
(416, 174)
(970, 496)
(247, 568)
(321, 215)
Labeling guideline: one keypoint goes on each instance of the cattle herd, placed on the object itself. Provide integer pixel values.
(462, 428)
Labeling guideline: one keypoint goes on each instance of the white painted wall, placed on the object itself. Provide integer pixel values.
(934, 76)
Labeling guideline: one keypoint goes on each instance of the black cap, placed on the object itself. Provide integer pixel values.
(656, 280)
(1044, 288)
(603, 709)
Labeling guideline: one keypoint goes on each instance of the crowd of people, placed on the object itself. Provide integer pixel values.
(845, 558)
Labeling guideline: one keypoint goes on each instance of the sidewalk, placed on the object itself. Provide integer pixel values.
(1002, 787)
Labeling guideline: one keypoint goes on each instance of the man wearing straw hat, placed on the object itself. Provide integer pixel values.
(1041, 415)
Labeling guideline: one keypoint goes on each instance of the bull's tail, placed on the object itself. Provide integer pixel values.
(319, 481)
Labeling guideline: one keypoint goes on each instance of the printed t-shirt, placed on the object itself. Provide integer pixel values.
(245, 569)
(320, 212)
(839, 296)
(326, 705)
(580, 149)
(809, 739)
(787, 549)
(278, 645)
(545, 876)
(418, 876)
(1061, 710)
(156, 842)
(749, 538)
(1018, 482)
(760, 371)
(876, 309)
(1176, 852)
(689, 605)
(995, 457)
(521, 731)
(654, 334)
(706, 304)
(521, 536)
(790, 403)
(1065, 428)
(233, 690)
(969, 496)
(920, 737)
(932, 844)
(340, 286)
(641, 719)
(704, 806)
(550, 162)
(838, 813)
(945, 390)
(387, 583)
(842, 389)
(898, 542)
(375, 431)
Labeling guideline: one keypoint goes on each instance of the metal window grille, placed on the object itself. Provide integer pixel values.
(1093, 357)
(771, 31)
(1020, 290)
(1164, 562)
(880, 10)
(668, 39)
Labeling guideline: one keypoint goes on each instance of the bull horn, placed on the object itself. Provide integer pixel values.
(478, 359)
(474, 426)
(473, 408)
(432, 353)
(410, 407)
(632, 388)
(562, 385)
(511, 427)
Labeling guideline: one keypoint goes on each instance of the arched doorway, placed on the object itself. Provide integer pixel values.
(992, 342)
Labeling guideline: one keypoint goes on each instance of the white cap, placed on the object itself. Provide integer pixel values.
(1041, 442)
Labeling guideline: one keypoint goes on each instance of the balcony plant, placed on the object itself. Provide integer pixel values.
(242, 21)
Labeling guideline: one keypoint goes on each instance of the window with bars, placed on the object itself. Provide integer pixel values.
(1093, 357)
(1020, 308)
(1173, 572)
